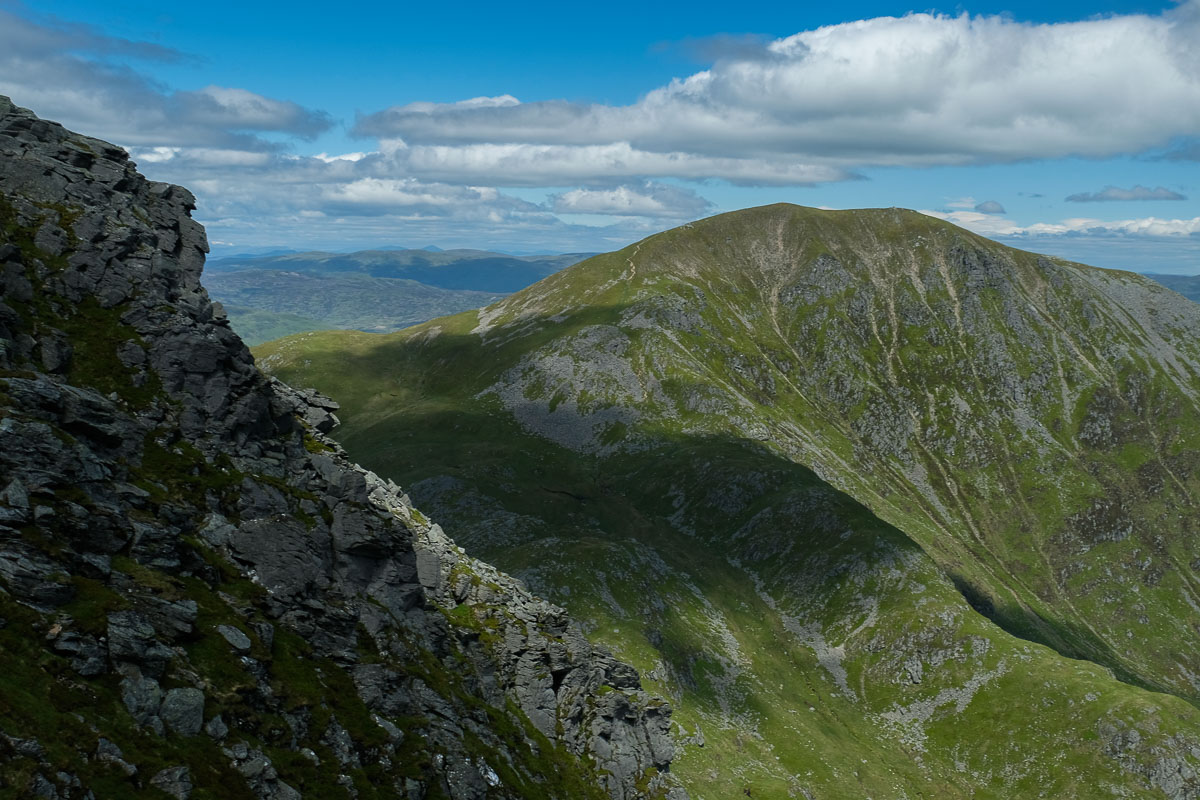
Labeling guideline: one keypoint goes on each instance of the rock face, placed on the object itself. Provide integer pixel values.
(199, 592)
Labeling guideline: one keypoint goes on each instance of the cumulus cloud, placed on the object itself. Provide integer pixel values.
(517, 164)
(76, 75)
(648, 200)
(989, 207)
(1145, 227)
(415, 198)
(250, 198)
(1113, 193)
(917, 90)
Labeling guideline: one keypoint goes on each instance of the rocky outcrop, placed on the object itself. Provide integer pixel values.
(199, 590)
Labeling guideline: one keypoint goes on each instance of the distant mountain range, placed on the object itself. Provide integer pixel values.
(1186, 285)
(379, 291)
(475, 270)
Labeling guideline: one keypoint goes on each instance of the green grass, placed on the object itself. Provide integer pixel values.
(657, 547)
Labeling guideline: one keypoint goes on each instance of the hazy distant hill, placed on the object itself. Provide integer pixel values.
(1186, 285)
(477, 270)
(313, 301)
(378, 291)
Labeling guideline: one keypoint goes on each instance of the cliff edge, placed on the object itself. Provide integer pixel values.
(199, 592)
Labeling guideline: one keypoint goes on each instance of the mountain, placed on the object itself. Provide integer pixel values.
(886, 508)
(472, 270)
(350, 300)
(200, 595)
(1186, 285)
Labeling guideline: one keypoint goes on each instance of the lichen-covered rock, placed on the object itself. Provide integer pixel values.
(173, 517)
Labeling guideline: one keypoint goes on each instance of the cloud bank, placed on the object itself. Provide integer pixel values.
(913, 91)
(993, 225)
(1113, 193)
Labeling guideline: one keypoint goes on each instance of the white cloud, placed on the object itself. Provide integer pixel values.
(1114, 193)
(517, 164)
(68, 73)
(917, 90)
(993, 225)
(328, 159)
(649, 200)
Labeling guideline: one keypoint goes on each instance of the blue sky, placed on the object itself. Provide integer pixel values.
(1059, 127)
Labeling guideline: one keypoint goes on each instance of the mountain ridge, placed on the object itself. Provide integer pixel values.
(983, 404)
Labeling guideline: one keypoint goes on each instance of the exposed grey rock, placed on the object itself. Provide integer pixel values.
(109, 753)
(216, 728)
(143, 699)
(183, 471)
(175, 781)
(132, 638)
(43, 787)
(88, 658)
(183, 711)
(237, 640)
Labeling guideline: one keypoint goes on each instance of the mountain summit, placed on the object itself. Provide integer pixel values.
(888, 508)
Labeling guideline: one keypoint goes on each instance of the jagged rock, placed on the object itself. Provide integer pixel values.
(132, 638)
(175, 781)
(109, 753)
(178, 502)
(143, 699)
(88, 658)
(216, 728)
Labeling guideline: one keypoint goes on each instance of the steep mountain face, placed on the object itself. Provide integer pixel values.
(200, 595)
(889, 509)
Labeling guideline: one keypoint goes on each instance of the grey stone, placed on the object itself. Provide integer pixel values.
(87, 656)
(132, 638)
(216, 728)
(175, 781)
(142, 698)
(183, 711)
(216, 531)
(109, 753)
(43, 787)
(237, 640)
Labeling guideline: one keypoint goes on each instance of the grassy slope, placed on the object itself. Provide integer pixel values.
(817, 647)
(256, 326)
